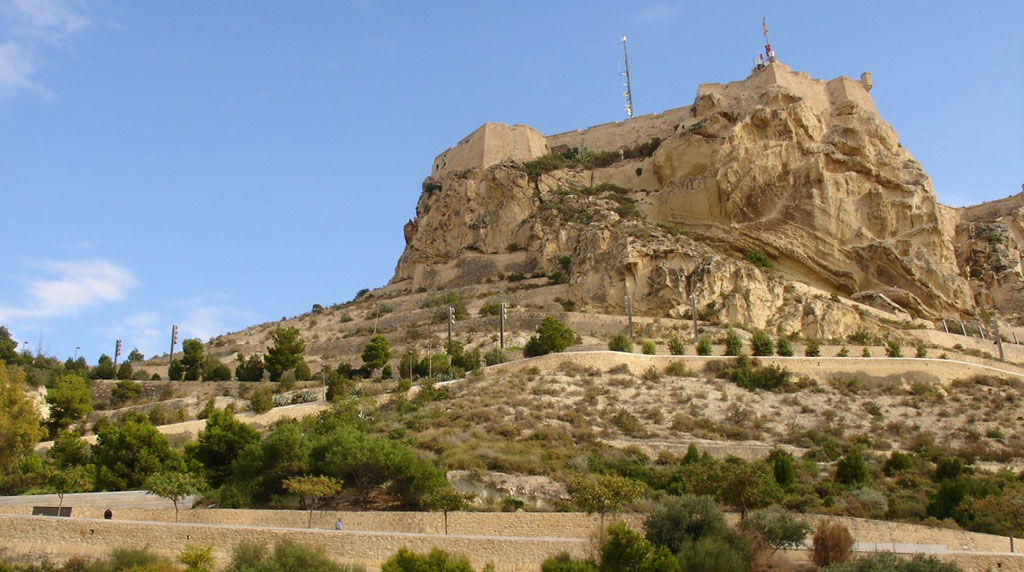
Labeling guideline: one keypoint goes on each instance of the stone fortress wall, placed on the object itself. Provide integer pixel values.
(495, 143)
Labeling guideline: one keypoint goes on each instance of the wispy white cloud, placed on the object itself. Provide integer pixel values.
(210, 315)
(656, 14)
(32, 26)
(147, 331)
(69, 287)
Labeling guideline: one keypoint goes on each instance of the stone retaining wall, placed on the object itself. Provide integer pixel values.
(36, 538)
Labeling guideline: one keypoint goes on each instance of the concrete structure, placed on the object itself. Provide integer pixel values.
(495, 143)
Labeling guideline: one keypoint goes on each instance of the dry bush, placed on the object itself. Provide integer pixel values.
(832, 543)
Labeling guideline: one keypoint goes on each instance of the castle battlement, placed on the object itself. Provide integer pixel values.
(495, 143)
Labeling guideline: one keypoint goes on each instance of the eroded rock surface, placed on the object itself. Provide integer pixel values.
(801, 170)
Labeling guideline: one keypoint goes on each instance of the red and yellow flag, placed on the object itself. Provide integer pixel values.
(764, 27)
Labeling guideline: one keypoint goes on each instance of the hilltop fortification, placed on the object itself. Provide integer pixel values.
(760, 199)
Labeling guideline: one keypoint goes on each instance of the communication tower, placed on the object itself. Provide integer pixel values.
(629, 92)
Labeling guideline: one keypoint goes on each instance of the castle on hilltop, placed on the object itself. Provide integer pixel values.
(495, 143)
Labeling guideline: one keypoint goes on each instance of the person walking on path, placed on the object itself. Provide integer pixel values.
(337, 523)
(108, 514)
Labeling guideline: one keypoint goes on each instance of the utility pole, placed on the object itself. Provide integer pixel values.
(501, 334)
(451, 322)
(174, 340)
(629, 316)
(693, 312)
(944, 328)
(629, 90)
(962, 328)
(117, 354)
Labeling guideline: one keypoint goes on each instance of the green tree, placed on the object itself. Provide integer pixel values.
(174, 486)
(676, 520)
(761, 344)
(104, 368)
(316, 487)
(778, 529)
(136, 356)
(220, 443)
(704, 346)
(125, 391)
(64, 480)
(377, 353)
(249, 369)
(124, 371)
(782, 463)
(192, 358)
(128, 452)
(70, 401)
(604, 493)
(446, 499)
(921, 351)
(175, 371)
(8, 347)
(626, 551)
(747, 485)
(552, 336)
(285, 353)
(68, 450)
(620, 343)
(733, 343)
(436, 560)
(302, 372)
(851, 469)
(19, 428)
(370, 463)
(217, 372)
(261, 467)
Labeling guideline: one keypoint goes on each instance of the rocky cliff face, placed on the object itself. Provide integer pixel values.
(781, 169)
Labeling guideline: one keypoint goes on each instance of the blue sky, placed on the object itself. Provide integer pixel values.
(219, 164)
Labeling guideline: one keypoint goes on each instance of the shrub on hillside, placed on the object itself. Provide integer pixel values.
(832, 543)
(552, 336)
(620, 343)
(744, 373)
(757, 258)
(889, 562)
(676, 347)
(648, 348)
(436, 560)
(262, 399)
(761, 344)
(784, 347)
(704, 346)
(893, 348)
(813, 348)
(676, 520)
(288, 556)
(733, 343)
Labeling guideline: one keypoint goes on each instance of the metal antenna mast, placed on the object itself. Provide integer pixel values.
(629, 92)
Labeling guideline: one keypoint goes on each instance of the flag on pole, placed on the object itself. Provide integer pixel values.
(764, 27)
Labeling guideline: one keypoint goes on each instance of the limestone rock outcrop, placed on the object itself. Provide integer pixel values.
(763, 200)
